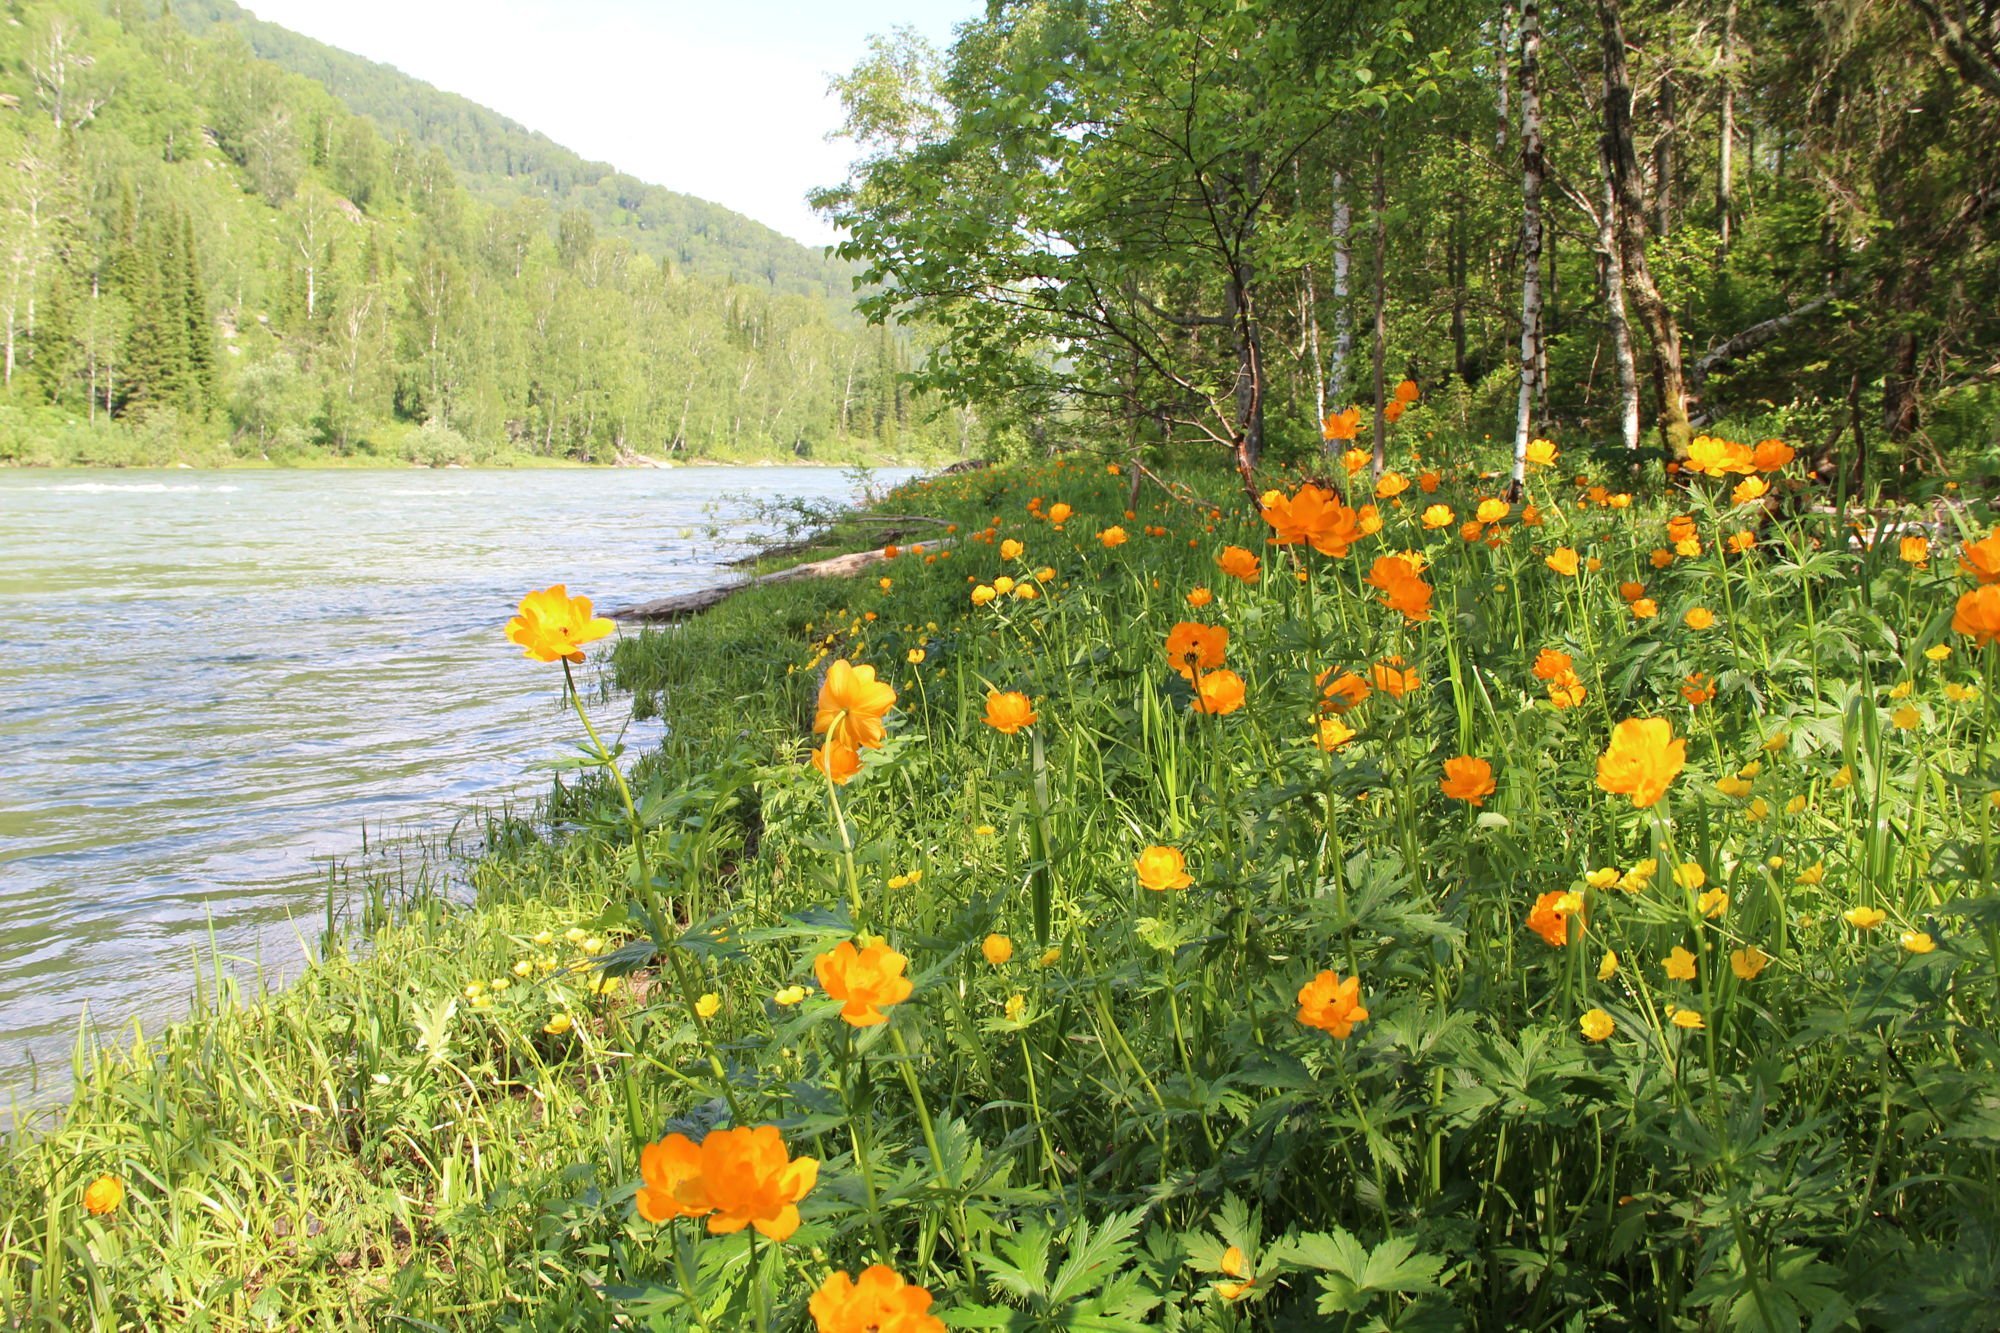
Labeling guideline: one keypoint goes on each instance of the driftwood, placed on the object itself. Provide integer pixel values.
(682, 605)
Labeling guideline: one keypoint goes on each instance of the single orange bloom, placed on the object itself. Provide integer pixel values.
(1770, 455)
(1331, 1005)
(1162, 868)
(851, 705)
(1192, 646)
(1200, 597)
(1551, 664)
(1402, 587)
(863, 980)
(1238, 563)
(104, 1195)
(1698, 690)
(1342, 692)
(1112, 537)
(1562, 560)
(671, 1170)
(1341, 425)
(749, 1179)
(1567, 693)
(1467, 779)
(1642, 760)
(1981, 559)
(879, 1301)
(1390, 485)
(1008, 712)
(1393, 679)
(1407, 391)
(1218, 692)
(1717, 457)
(1428, 483)
(839, 762)
(1059, 513)
(1978, 614)
(1392, 411)
(1631, 591)
(1552, 916)
(553, 626)
(891, 551)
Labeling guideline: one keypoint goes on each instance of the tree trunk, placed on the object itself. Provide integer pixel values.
(1661, 326)
(1725, 201)
(1615, 321)
(1343, 271)
(1663, 160)
(1531, 240)
(1381, 455)
(1505, 65)
(1455, 262)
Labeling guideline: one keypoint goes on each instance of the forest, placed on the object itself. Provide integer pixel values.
(1626, 222)
(207, 258)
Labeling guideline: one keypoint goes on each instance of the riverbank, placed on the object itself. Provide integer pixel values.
(1394, 946)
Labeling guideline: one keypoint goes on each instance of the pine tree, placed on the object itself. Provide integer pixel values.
(199, 387)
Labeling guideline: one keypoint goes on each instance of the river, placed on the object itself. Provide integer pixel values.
(215, 681)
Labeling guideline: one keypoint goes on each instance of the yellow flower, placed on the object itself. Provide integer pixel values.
(1757, 811)
(553, 626)
(545, 938)
(1639, 876)
(1015, 1005)
(559, 1023)
(1748, 962)
(1333, 733)
(1602, 878)
(1749, 491)
(1699, 617)
(982, 594)
(1687, 1018)
(1689, 875)
(790, 995)
(1607, 966)
(1813, 873)
(1713, 903)
(1491, 511)
(1596, 1025)
(1777, 741)
(997, 949)
(1542, 453)
(1162, 868)
(1938, 652)
(1563, 561)
(915, 656)
(1844, 777)
(1051, 958)
(1906, 718)
(984, 831)
(709, 1005)
(1439, 516)
(1864, 918)
(1917, 941)
(1002, 585)
(1011, 549)
(1680, 965)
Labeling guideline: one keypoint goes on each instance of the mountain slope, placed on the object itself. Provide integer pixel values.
(499, 160)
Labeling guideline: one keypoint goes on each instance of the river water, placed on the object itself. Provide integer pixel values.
(214, 682)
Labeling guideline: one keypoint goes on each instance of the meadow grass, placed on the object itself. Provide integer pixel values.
(1725, 1059)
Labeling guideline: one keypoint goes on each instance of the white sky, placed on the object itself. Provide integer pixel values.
(726, 101)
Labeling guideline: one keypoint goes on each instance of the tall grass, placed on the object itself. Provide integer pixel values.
(1124, 1123)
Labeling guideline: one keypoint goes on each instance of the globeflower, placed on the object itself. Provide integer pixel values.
(1468, 779)
(1394, 679)
(1981, 559)
(1059, 513)
(1553, 665)
(1010, 711)
(1563, 561)
(1978, 614)
(1439, 516)
(1342, 425)
(1552, 915)
(840, 763)
(1492, 510)
(1333, 733)
(1715, 457)
(863, 980)
(879, 1301)
(1403, 588)
(851, 706)
(1199, 597)
(553, 626)
(1218, 692)
(1162, 868)
(104, 1195)
(1914, 551)
(1699, 618)
(997, 949)
(671, 1170)
(1407, 391)
(1238, 563)
(1342, 692)
(1541, 453)
(1770, 455)
(1596, 1025)
(1331, 1005)
(1112, 537)
(1193, 647)
(1642, 760)
(749, 1179)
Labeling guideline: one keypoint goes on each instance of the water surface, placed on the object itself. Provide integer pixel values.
(214, 681)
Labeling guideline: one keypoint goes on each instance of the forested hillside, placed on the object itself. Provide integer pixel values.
(500, 161)
(1610, 222)
(205, 256)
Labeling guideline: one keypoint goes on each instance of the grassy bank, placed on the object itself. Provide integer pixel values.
(1684, 1026)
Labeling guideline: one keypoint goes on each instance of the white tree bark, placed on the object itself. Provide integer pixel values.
(1531, 236)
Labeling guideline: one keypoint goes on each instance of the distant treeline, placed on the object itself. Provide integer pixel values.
(203, 253)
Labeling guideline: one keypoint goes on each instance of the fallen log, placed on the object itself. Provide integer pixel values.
(680, 606)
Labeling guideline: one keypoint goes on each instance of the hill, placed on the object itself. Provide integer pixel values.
(500, 160)
(206, 256)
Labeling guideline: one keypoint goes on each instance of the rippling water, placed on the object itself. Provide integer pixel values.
(214, 681)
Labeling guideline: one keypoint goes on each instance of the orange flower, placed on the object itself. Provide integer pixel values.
(750, 1180)
(1112, 537)
(104, 1195)
(1059, 513)
(1553, 665)
(1193, 647)
(1542, 453)
(1218, 692)
(1749, 491)
(1770, 455)
(1698, 690)
(1238, 563)
(1008, 712)
(1567, 693)
(1978, 614)
(840, 763)
(1011, 549)
(1563, 561)
(1681, 528)
(1439, 516)
(1402, 587)
(1981, 559)
(1718, 458)
(1355, 459)
(1331, 1005)
(1407, 391)
(1200, 597)
(1631, 591)
(553, 626)
(1341, 425)
(1553, 915)
(1467, 779)
(1642, 760)
(1393, 679)
(1161, 869)
(671, 1170)
(851, 706)
(1333, 733)
(1342, 692)
(879, 1301)
(863, 980)
(1312, 515)
(1392, 411)
(1390, 485)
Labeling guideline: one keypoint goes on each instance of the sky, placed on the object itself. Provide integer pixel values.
(723, 99)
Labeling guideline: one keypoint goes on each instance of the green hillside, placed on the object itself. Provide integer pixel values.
(206, 257)
(500, 160)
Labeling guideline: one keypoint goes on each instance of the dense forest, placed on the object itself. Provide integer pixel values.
(204, 256)
(1622, 222)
